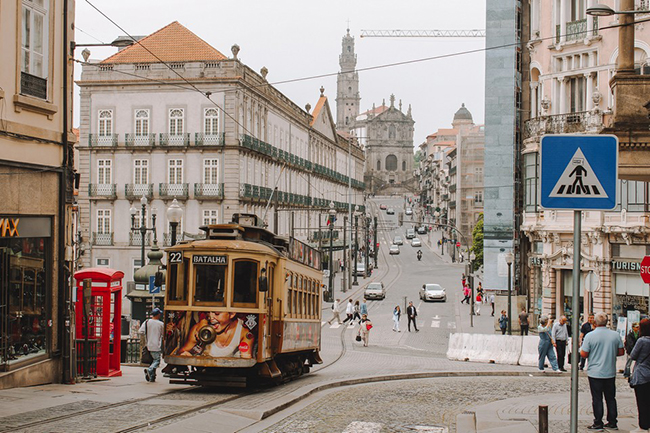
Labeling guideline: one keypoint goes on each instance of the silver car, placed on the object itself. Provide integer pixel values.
(416, 242)
(398, 240)
(375, 291)
(433, 292)
(394, 249)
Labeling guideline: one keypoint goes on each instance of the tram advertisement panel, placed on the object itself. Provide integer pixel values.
(211, 334)
(301, 335)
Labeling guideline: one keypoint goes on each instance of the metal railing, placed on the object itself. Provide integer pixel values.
(166, 139)
(583, 121)
(102, 239)
(206, 190)
(576, 30)
(139, 140)
(134, 191)
(107, 140)
(135, 239)
(202, 139)
(173, 190)
(104, 190)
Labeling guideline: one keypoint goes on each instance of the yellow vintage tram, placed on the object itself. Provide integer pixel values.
(241, 305)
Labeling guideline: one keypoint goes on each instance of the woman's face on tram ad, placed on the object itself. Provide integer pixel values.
(220, 320)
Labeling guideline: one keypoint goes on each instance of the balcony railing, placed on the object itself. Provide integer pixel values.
(165, 139)
(102, 239)
(452, 203)
(139, 140)
(107, 140)
(576, 30)
(103, 190)
(135, 239)
(207, 191)
(134, 191)
(583, 121)
(201, 139)
(173, 190)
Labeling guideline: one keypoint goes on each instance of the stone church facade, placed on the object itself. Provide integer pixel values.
(385, 133)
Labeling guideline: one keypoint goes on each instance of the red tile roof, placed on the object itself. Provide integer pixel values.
(377, 110)
(172, 43)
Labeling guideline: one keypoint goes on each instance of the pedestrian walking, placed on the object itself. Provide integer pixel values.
(523, 322)
(466, 293)
(630, 340)
(396, 315)
(364, 329)
(356, 314)
(477, 305)
(602, 346)
(492, 299)
(153, 331)
(585, 329)
(349, 311)
(463, 280)
(364, 308)
(545, 348)
(503, 322)
(335, 312)
(412, 314)
(640, 379)
(560, 336)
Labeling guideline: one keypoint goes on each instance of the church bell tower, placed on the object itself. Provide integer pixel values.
(347, 91)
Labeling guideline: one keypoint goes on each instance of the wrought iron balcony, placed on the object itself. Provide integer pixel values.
(576, 30)
(452, 203)
(135, 239)
(202, 139)
(246, 190)
(139, 140)
(166, 139)
(102, 190)
(173, 190)
(583, 121)
(134, 191)
(208, 191)
(107, 140)
(102, 239)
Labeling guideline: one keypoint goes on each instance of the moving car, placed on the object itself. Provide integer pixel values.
(422, 230)
(375, 291)
(408, 211)
(383, 206)
(416, 242)
(390, 211)
(410, 234)
(398, 240)
(361, 269)
(394, 249)
(433, 292)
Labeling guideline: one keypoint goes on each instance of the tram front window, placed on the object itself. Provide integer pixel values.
(210, 283)
(245, 283)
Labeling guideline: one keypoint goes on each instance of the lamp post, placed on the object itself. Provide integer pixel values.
(367, 245)
(376, 245)
(356, 244)
(330, 286)
(143, 229)
(174, 215)
(510, 258)
(472, 257)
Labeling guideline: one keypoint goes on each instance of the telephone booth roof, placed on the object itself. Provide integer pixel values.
(99, 274)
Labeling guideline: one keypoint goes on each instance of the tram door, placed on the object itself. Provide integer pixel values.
(268, 317)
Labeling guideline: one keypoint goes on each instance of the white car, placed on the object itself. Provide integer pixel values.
(398, 240)
(416, 242)
(394, 249)
(408, 211)
(410, 233)
(390, 211)
(375, 291)
(433, 292)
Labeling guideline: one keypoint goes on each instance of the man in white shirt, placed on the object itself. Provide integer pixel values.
(153, 330)
(560, 335)
(335, 312)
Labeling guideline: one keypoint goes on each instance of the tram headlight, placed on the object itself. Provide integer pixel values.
(207, 334)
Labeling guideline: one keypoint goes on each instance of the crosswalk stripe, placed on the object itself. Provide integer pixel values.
(335, 325)
(363, 427)
(435, 324)
(451, 325)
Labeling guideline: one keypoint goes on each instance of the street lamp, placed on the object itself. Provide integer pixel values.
(330, 286)
(356, 243)
(174, 215)
(143, 229)
(367, 245)
(472, 257)
(510, 258)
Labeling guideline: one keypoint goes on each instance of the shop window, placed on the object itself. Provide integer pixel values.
(245, 283)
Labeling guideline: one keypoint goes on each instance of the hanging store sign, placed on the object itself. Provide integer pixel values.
(25, 227)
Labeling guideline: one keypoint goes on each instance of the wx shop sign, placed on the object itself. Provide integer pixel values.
(25, 227)
(9, 227)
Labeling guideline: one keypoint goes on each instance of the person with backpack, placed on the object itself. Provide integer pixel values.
(153, 331)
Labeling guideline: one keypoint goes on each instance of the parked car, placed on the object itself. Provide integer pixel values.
(408, 211)
(361, 269)
(375, 291)
(394, 249)
(398, 240)
(390, 211)
(410, 234)
(433, 292)
(422, 230)
(383, 206)
(416, 242)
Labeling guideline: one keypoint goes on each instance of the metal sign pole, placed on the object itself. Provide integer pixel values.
(575, 320)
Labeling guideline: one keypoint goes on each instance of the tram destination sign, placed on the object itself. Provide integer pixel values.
(204, 259)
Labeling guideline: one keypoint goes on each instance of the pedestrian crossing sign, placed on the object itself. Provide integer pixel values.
(579, 172)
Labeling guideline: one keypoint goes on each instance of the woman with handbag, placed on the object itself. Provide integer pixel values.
(640, 379)
(364, 329)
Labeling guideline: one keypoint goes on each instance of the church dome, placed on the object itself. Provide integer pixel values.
(463, 114)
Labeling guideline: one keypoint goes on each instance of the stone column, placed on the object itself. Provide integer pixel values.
(564, 4)
(590, 90)
(534, 97)
(590, 21)
(563, 96)
(625, 63)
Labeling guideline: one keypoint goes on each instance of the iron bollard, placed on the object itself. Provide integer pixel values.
(543, 419)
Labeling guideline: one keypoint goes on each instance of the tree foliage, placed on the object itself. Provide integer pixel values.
(477, 243)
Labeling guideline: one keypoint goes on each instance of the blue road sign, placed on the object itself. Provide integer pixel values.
(579, 172)
(153, 289)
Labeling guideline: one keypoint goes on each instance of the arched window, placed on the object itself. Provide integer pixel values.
(141, 123)
(176, 121)
(391, 132)
(378, 165)
(105, 127)
(403, 165)
(211, 121)
(391, 163)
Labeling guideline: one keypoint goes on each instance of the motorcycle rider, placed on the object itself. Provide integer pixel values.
(419, 254)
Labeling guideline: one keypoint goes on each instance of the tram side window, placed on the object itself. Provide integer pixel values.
(289, 296)
(245, 283)
(210, 284)
(176, 283)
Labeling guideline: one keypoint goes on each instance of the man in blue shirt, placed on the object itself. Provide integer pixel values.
(601, 347)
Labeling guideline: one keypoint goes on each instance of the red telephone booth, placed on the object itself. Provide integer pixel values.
(105, 320)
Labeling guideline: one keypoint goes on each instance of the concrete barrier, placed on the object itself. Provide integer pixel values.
(499, 349)
(529, 353)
